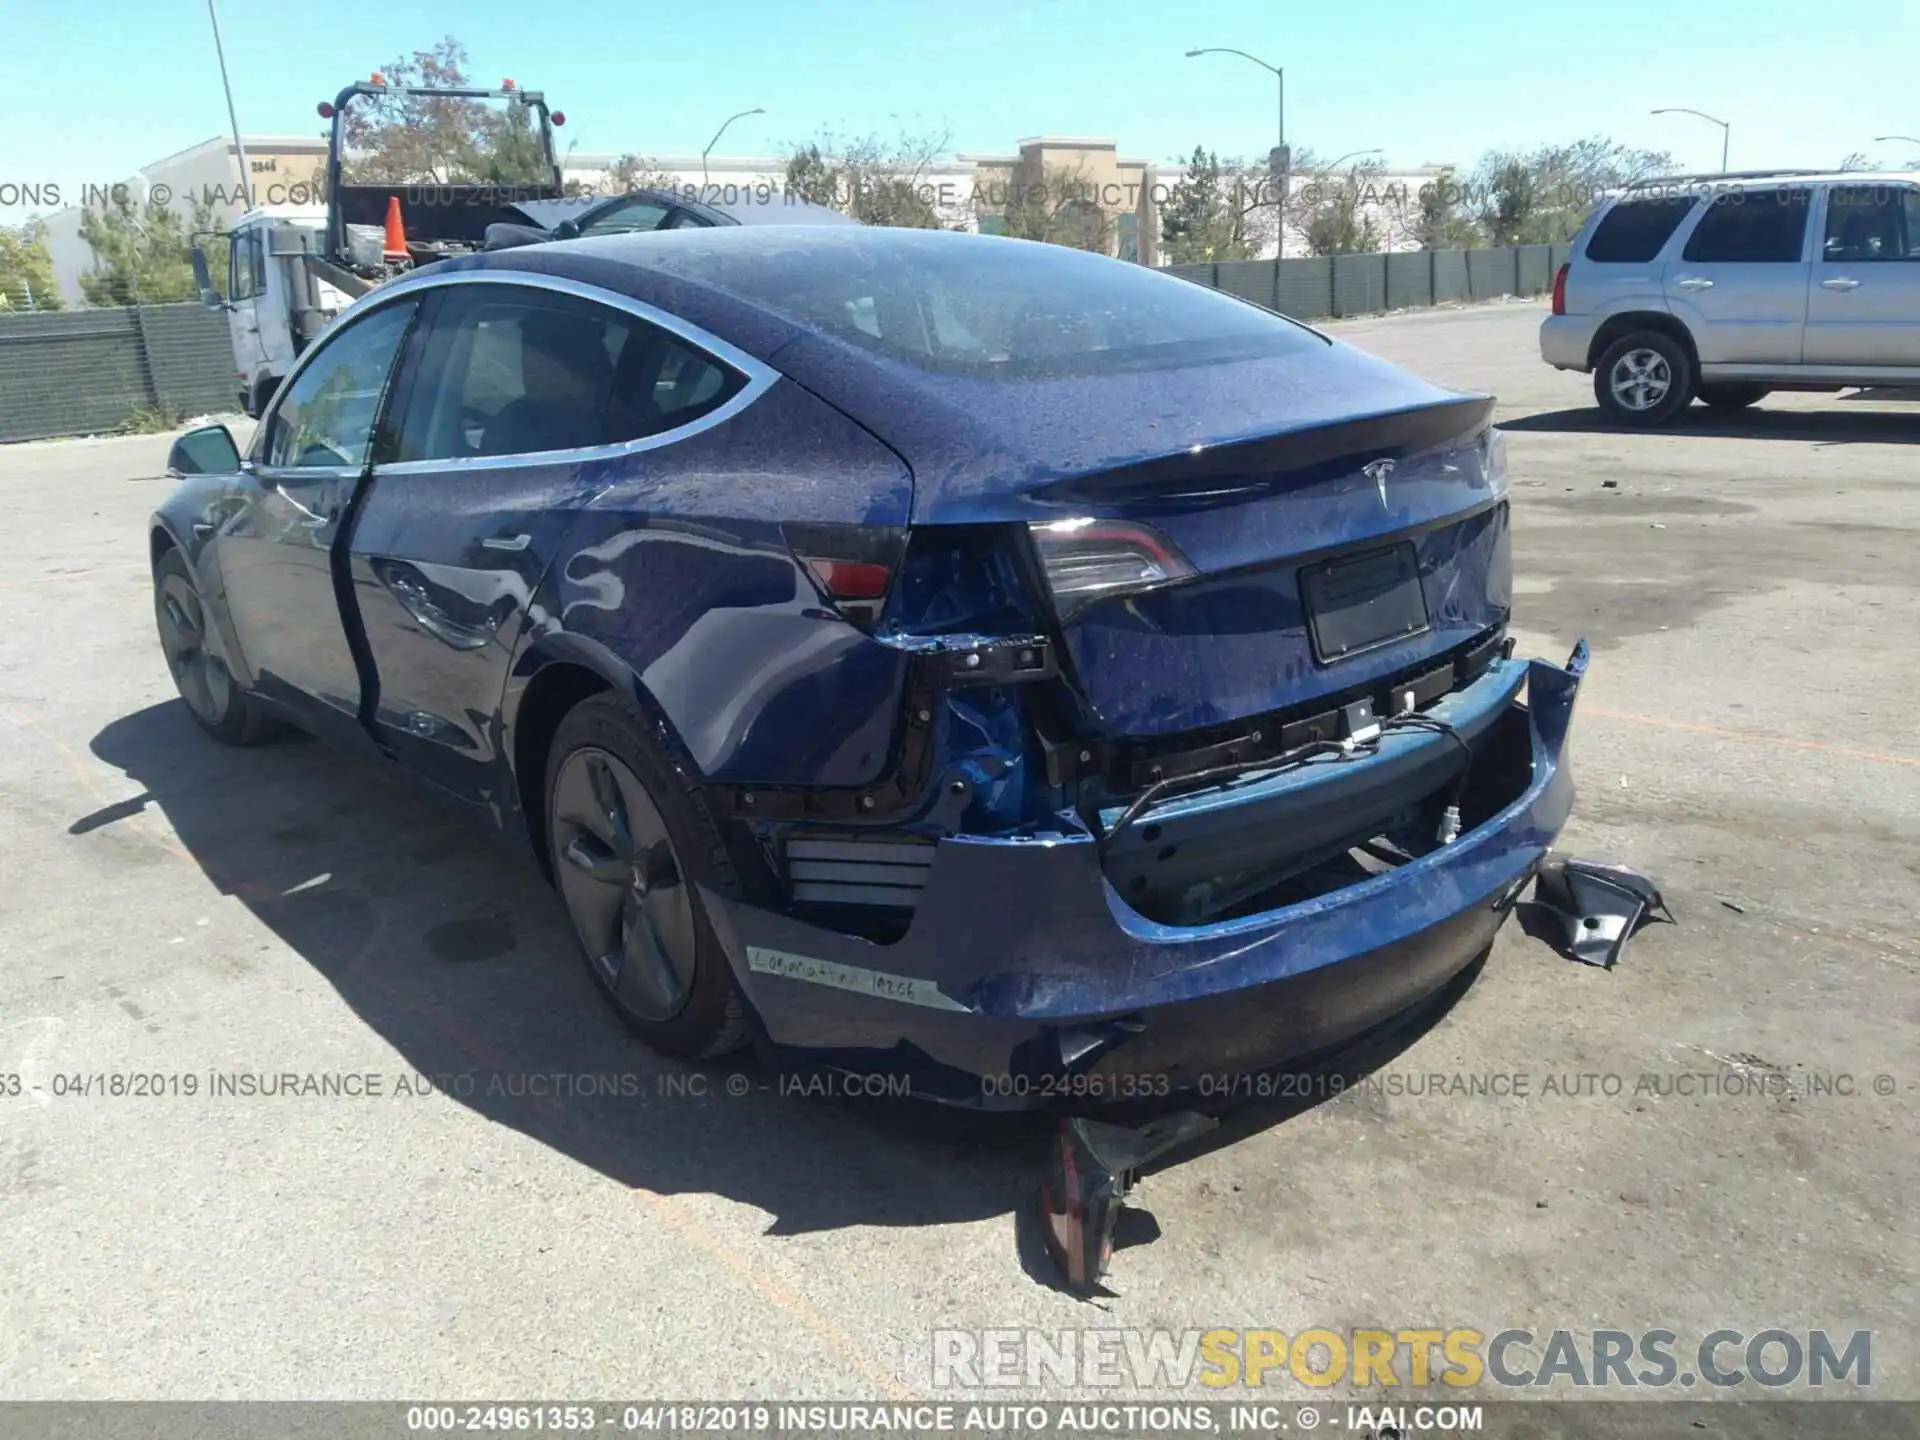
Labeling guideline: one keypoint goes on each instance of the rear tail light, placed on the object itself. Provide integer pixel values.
(1560, 290)
(851, 565)
(1086, 559)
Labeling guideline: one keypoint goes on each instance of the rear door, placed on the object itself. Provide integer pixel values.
(1740, 280)
(1863, 308)
(1619, 265)
(518, 405)
(275, 553)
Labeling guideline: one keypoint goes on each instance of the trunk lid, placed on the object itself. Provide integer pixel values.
(1324, 499)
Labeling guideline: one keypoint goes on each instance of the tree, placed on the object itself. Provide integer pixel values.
(1438, 222)
(1542, 196)
(1340, 218)
(1060, 207)
(140, 256)
(877, 182)
(1219, 209)
(26, 269)
(637, 172)
(427, 139)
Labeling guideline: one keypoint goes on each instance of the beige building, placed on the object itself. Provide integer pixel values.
(1071, 191)
(286, 170)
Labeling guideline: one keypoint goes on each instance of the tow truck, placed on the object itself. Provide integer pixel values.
(293, 268)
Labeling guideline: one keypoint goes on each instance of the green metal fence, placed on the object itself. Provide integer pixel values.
(85, 372)
(1324, 287)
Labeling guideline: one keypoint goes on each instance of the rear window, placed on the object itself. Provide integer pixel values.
(976, 306)
(1633, 232)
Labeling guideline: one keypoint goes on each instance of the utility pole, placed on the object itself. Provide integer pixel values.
(233, 120)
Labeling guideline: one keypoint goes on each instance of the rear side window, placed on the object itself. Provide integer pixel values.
(1872, 222)
(1751, 227)
(509, 370)
(1633, 232)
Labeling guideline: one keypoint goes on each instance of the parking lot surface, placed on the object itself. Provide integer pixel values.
(174, 910)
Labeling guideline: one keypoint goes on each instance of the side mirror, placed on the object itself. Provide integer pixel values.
(568, 229)
(206, 451)
(203, 282)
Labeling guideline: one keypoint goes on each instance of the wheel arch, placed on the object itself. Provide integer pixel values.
(1629, 321)
(553, 675)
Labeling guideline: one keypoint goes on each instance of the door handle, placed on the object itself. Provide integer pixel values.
(507, 542)
(1840, 282)
(1695, 282)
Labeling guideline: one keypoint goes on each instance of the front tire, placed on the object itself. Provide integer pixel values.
(191, 644)
(1644, 379)
(632, 845)
(1732, 397)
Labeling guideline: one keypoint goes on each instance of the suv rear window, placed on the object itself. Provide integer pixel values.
(1751, 227)
(1632, 232)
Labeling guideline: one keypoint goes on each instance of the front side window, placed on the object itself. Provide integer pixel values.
(1634, 231)
(625, 219)
(1751, 227)
(326, 418)
(244, 266)
(1872, 222)
(511, 370)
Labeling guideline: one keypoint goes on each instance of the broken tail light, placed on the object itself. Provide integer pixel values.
(1086, 559)
(852, 566)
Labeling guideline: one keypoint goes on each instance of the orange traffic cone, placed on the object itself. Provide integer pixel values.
(395, 247)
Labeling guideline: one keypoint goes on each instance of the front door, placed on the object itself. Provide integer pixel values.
(1863, 308)
(246, 293)
(275, 557)
(516, 412)
(1740, 283)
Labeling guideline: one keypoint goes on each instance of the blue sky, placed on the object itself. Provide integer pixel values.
(101, 87)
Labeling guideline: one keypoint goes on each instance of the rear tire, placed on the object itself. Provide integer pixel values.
(632, 845)
(1732, 397)
(200, 672)
(1643, 379)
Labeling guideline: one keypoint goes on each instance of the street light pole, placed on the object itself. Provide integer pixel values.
(1282, 163)
(757, 110)
(1883, 139)
(1725, 129)
(233, 120)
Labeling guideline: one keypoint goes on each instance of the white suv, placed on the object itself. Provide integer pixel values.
(1726, 287)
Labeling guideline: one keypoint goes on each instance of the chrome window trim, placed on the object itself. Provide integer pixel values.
(760, 377)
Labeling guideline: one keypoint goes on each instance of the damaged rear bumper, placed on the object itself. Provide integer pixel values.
(1026, 981)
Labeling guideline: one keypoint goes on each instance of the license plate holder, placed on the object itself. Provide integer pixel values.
(1357, 602)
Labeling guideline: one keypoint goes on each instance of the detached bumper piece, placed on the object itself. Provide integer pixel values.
(1092, 1167)
(1598, 906)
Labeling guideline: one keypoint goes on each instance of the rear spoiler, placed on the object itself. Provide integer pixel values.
(1228, 474)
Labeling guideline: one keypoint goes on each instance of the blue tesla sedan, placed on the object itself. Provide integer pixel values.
(965, 659)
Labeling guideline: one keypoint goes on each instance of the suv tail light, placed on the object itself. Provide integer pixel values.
(851, 565)
(1087, 559)
(1560, 290)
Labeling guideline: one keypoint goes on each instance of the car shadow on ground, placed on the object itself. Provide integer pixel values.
(454, 950)
(1838, 426)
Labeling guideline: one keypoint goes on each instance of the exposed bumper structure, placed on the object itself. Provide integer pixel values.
(1025, 980)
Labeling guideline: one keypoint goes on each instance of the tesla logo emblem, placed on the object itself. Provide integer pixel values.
(1377, 471)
